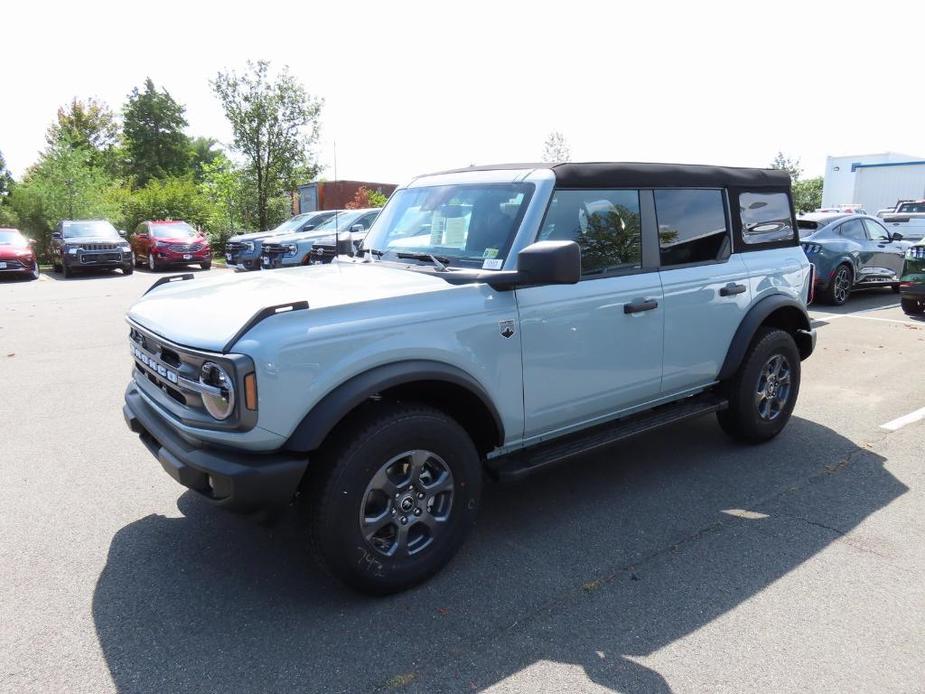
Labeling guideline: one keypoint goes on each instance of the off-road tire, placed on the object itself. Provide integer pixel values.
(912, 307)
(338, 480)
(742, 420)
(831, 294)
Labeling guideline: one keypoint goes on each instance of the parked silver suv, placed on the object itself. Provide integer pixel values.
(499, 319)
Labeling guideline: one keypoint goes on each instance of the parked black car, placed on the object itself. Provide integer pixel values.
(89, 243)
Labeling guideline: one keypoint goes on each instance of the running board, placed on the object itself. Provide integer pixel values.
(527, 461)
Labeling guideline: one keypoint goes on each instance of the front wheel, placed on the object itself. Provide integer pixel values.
(152, 263)
(912, 307)
(394, 497)
(34, 275)
(206, 266)
(128, 269)
(764, 391)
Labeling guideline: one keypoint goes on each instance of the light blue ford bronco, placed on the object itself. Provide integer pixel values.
(495, 321)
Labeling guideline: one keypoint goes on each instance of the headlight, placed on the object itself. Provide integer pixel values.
(71, 249)
(291, 249)
(219, 400)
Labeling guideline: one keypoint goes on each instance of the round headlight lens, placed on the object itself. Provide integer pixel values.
(220, 405)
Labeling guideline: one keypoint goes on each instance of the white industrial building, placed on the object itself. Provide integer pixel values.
(875, 181)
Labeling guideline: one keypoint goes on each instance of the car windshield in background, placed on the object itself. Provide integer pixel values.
(9, 237)
(176, 230)
(293, 223)
(83, 230)
(339, 222)
(466, 224)
(912, 207)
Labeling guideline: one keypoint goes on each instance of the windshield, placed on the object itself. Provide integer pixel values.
(11, 237)
(340, 222)
(914, 207)
(82, 230)
(293, 223)
(466, 224)
(173, 230)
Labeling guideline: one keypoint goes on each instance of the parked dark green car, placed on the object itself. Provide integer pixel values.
(850, 251)
(912, 282)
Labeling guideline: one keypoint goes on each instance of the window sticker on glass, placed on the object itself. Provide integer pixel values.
(454, 234)
(492, 264)
(490, 253)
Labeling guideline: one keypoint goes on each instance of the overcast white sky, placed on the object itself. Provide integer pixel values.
(412, 87)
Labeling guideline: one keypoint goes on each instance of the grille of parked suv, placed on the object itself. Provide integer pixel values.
(98, 246)
(185, 247)
(234, 247)
(99, 257)
(274, 249)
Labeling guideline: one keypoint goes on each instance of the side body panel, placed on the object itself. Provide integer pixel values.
(778, 271)
(700, 321)
(584, 357)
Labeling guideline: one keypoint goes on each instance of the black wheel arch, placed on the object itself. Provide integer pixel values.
(778, 311)
(441, 385)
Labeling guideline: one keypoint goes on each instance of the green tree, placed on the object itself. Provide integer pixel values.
(88, 125)
(168, 198)
(807, 194)
(367, 197)
(64, 184)
(275, 123)
(6, 179)
(203, 151)
(155, 144)
(791, 166)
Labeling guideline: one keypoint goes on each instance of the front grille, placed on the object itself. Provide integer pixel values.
(234, 247)
(91, 258)
(274, 249)
(99, 246)
(185, 247)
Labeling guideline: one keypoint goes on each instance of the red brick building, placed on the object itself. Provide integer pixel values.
(332, 195)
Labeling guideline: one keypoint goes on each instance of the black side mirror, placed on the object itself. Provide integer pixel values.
(357, 228)
(540, 263)
(56, 235)
(308, 227)
(121, 232)
(896, 236)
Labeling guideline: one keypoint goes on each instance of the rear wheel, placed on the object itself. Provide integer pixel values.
(912, 307)
(840, 287)
(764, 391)
(393, 498)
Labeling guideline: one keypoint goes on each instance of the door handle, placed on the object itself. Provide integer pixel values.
(640, 305)
(732, 289)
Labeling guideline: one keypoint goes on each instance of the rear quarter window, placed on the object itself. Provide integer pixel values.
(765, 218)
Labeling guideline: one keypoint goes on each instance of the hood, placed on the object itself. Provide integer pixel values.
(93, 239)
(207, 313)
(251, 236)
(304, 236)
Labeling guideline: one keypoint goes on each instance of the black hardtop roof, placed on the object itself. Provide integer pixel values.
(643, 174)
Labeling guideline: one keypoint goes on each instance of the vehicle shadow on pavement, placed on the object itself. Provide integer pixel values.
(83, 275)
(872, 299)
(594, 564)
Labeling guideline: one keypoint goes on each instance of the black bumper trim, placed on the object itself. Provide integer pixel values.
(235, 480)
(916, 292)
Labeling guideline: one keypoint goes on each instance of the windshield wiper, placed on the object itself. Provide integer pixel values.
(440, 262)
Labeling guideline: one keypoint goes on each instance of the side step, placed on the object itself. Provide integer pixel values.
(524, 462)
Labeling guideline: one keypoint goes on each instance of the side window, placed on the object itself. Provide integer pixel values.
(691, 226)
(853, 229)
(604, 223)
(765, 217)
(876, 232)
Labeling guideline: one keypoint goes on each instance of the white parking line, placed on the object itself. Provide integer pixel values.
(900, 422)
(836, 316)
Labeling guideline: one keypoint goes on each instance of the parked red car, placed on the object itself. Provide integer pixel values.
(160, 244)
(16, 254)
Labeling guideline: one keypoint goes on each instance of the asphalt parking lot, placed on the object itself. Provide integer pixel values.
(679, 562)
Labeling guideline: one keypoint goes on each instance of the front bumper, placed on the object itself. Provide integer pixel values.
(243, 260)
(176, 258)
(17, 266)
(233, 479)
(97, 259)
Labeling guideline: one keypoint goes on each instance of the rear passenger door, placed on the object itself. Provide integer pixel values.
(594, 348)
(706, 288)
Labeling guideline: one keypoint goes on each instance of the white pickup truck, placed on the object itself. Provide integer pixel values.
(908, 219)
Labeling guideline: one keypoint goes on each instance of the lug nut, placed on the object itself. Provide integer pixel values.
(420, 495)
(404, 520)
(393, 511)
(417, 512)
(397, 495)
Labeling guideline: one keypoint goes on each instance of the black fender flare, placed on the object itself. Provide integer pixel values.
(753, 320)
(310, 433)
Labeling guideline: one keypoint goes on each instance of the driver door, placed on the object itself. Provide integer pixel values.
(887, 253)
(594, 348)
